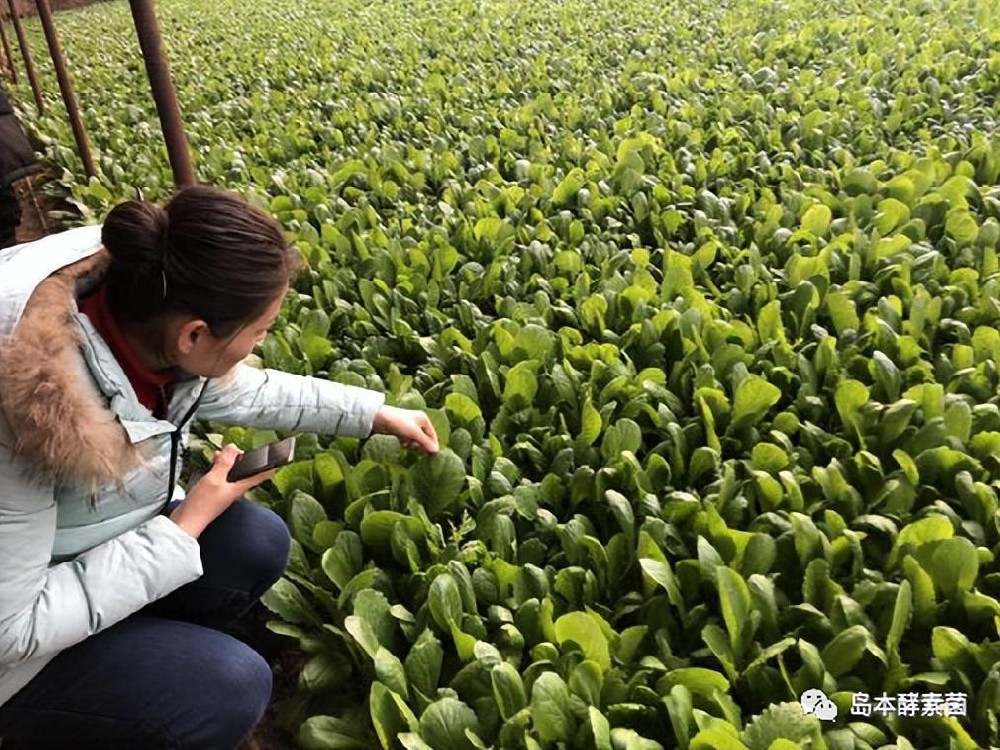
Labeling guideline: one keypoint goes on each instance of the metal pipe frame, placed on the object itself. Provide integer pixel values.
(8, 55)
(29, 63)
(158, 71)
(66, 87)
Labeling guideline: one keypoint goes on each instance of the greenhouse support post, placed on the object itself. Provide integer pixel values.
(66, 87)
(29, 63)
(158, 71)
(8, 55)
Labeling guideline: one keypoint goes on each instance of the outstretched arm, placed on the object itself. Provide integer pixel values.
(271, 399)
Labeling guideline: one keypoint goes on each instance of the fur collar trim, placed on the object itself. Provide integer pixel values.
(61, 423)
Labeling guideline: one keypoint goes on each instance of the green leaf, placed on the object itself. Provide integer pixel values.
(364, 633)
(714, 738)
(389, 670)
(317, 349)
(590, 425)
(600, 728)
(366, 579)
(913, 535)
(782, 721)
(461, 408)
(770, 652)
(592, 312)
(954, 566)
(295, 476)
(621, 509)
(444, 723)
(521, 385)
(754, 397)
(850, 397)
(785, 744)
(508, 689)
(660, 573)
(325, 533)
(488, 228)
(445, 602)
(465, 644)
(961, 226)
(769, 457)
(623, 435)
(412, 741)
(759, 555)
(584, 630)
(842, 311)
(718, 643)
(816, 219)
(892, 214)
(330, 733)
(934, 464)
(586, 681)
(372, 607)
(924, 600)
(952, 649)
(887, 375)
(376, 528)
(437, 481)
(286, 600)
(550, 708)
(908, 467)
(390, 715)
(734, 597)
(845, 650)
(304, 513)
(328, 469)
(423, 663)
(569, 187)
(344, 559)
(382, 449)
(323, 672)
(704, 682)
(858, 182)
(901, 616)
(439, 419)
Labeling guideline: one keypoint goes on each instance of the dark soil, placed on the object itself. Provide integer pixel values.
(286, 661)
(36, 209)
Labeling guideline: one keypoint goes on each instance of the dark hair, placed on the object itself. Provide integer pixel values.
(220, 259)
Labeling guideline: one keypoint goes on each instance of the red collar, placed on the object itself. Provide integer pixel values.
(149, 386)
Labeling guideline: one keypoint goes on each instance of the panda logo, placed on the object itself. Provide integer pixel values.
(815, 703)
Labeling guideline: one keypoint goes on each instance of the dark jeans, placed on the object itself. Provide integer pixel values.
(165, 677)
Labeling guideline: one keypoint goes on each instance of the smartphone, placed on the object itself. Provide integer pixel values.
(266, 457)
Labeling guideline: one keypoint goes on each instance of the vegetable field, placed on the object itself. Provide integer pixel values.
(703, 299)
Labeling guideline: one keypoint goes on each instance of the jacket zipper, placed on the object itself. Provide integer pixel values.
(175, 440)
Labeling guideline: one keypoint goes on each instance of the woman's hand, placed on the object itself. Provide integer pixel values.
(412, 427)
(212, 494)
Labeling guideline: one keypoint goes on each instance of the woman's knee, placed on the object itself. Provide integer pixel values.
(250, 540)
(228, 695)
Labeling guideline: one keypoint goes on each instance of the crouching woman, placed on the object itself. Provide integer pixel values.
(112, 339)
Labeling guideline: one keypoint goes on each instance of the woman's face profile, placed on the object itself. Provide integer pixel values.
(199, 352)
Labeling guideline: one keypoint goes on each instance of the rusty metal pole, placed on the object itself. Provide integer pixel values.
(158, 71)
(29, 64)
(66, 87)
(8, 55)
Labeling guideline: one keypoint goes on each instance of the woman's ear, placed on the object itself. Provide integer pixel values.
(189, 334)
